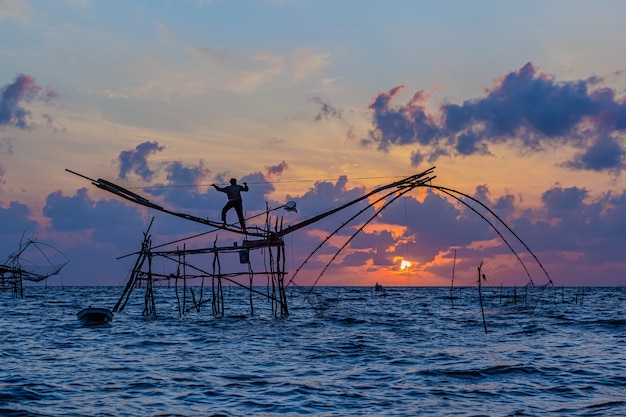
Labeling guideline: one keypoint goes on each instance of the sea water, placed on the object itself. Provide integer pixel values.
(340, 352)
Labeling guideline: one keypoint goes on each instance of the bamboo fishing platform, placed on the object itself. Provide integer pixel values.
(200, 274)
(190, 279)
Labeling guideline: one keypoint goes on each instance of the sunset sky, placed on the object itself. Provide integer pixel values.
(519, 104)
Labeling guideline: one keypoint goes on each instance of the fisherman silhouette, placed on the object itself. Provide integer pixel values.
(233, 192)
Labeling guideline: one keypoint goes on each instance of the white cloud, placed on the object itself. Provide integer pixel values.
(213, 68)
(304, 63)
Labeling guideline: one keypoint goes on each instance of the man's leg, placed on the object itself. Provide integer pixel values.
(239, 208)
(227, 207)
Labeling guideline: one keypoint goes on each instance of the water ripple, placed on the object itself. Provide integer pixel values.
(344, 352)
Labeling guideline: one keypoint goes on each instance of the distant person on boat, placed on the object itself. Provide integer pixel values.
(233, 192)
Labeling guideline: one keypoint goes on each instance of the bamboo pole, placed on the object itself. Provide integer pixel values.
(480, 296)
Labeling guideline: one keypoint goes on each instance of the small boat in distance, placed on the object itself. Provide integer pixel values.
(378, 287)
(95, 315)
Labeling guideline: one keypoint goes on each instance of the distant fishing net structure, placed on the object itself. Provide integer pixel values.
(387, 195)
(33, 261)
(267, 242)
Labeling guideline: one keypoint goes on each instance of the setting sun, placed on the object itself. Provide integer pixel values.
(405, 264)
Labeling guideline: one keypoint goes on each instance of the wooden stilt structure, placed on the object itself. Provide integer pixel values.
(136, 271)
(11, 279)
(189, 276)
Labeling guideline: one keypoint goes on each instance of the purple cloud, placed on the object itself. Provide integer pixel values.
(260, 189)
(136, 160)
(325, 111)
(23, 89)
(401, 125)
(276, 170)
(15, 219)
(594, 229)
(470, 143)
(110, 220)
(371, 247)
(525, 109)
(180, 190)
(564, 202)
(605, 154)
(324, 196)
(524, 100)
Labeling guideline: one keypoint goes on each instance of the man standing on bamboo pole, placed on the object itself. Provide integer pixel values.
(233, 192)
